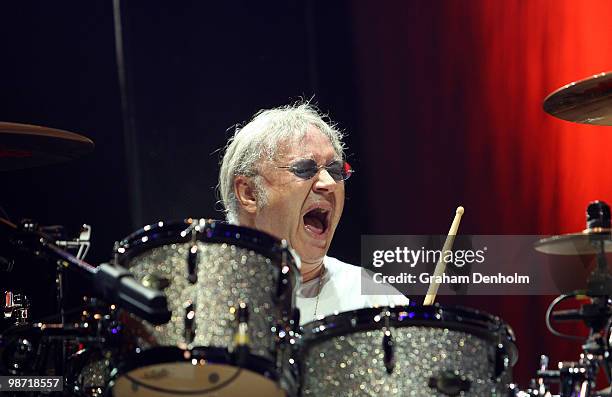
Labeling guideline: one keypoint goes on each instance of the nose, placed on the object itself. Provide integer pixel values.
(324, 183)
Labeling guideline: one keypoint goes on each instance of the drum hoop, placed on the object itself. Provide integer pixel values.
(164, 233)
(457, 318)
(213, 355)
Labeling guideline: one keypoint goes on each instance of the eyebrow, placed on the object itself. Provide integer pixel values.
(312, 157)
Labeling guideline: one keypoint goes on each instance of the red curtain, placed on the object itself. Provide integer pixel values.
(451, 113)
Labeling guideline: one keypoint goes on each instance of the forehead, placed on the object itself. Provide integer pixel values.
(313, 144)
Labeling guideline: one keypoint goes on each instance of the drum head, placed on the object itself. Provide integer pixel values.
(165, 380)
(164, 372)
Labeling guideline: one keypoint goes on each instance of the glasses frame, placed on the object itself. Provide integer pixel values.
(345, 164)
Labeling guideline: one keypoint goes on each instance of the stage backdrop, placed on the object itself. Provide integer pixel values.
(451, 113)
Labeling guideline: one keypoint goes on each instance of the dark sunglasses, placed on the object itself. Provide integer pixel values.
(308, 168)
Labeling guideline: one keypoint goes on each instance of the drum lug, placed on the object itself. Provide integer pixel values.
(502, 361)
(189, 321)
(283, 276)
(389, 352)
(241, 336)
(281, 285)
(192, 264)
(387, 343)
(295, 320)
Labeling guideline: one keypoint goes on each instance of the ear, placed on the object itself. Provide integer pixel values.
(245, 194)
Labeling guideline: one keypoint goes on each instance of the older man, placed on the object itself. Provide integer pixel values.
(284, 173)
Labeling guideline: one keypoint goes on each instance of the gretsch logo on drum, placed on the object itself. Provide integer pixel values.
(155, 374)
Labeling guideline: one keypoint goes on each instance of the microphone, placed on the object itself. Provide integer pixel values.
(568, 315)
(116, 283)
(598, 215)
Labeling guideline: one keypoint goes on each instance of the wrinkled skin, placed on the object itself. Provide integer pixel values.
(289, 198)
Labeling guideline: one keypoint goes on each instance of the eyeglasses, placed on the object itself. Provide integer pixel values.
(308, 168)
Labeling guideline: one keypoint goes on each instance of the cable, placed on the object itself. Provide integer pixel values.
(552, 305)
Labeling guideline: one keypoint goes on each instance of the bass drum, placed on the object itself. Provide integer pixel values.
(407, 351)
(232, 295)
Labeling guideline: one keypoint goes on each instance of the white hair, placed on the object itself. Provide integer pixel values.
(261, 138)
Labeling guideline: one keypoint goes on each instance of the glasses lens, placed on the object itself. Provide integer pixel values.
(336, 170)
(304, 169)
(307, 168)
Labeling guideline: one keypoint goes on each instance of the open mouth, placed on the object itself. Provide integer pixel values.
(317, 220)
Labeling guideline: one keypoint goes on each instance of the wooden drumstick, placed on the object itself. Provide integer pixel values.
(441, 265)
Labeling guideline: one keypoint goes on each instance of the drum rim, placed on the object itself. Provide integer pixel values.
(212, 354)
(164, 233)
(457, 318)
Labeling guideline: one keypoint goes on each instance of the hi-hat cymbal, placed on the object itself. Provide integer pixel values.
(27, 146)
(587, 242)
(587, 101)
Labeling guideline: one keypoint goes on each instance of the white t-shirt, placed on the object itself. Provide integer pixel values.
(341, 292)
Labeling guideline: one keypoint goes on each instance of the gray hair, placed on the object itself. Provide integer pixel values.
(261, 138)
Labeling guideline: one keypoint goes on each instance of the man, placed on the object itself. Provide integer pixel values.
(284, 173)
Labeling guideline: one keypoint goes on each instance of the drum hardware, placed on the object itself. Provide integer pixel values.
(81, 243)
(502, 361)
(387, 344)
(16, 308)
(111, 283)
(192, 255)
(574, 379)
(283, 285)
(192, 264)
(579, 378)
(87, 371)
(241, 337)
(80, 350)
(189, 322)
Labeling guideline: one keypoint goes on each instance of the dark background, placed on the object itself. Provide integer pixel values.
(441, 102)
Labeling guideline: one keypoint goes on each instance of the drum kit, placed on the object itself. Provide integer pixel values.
(203, 308)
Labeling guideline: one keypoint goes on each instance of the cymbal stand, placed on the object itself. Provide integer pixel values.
(80, 243)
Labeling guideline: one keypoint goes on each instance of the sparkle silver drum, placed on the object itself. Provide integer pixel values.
(231, 292)
(407, 351)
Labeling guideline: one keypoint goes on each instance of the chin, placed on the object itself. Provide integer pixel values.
(313, 256)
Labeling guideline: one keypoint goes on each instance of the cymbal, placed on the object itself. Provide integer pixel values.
(581, 243)
(26, 146)
(587, 101)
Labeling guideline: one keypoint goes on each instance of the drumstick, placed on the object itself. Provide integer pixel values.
(441, 266)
